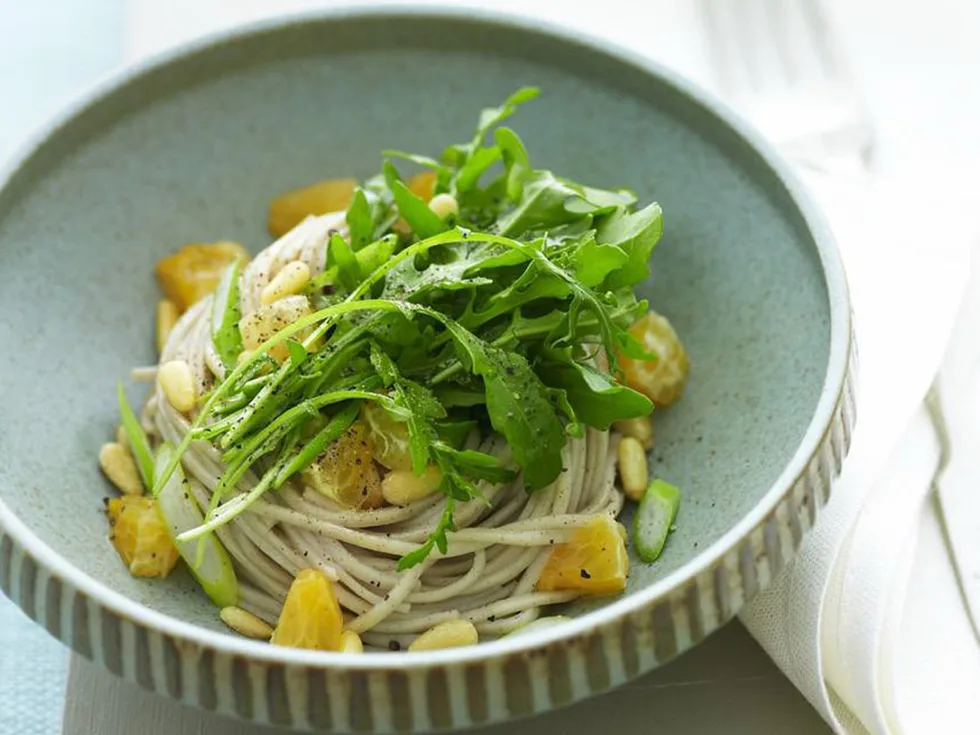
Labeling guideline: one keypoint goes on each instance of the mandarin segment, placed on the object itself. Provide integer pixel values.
(140, 536)
(661, 378)
(289, 209)
(193, 272)
(311, 616)
(594, 561)
(346, 472)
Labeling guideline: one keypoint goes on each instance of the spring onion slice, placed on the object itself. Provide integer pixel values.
(138, 442)
(226, 312)
(206, 557)
(653, 519)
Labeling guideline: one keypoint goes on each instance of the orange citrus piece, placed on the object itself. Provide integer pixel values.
(193, 272)
(311, 616)
(140, 536)
(346, 472)
(289, 209)
(593, 561)
(662, 378)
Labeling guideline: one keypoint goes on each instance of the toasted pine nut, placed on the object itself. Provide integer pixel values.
(640, 428)
(632, 467)
(166, 318)
(243, 622)
(178, 384)
(291, 280)
(443, 205)
(451, 634)
(119, 466)
(401, 487)
(350, 642)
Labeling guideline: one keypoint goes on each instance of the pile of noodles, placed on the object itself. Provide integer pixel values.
(494, 557)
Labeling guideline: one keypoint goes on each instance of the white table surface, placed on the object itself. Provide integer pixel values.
(918, 65)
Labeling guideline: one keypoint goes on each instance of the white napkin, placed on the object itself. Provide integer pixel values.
(844, 623)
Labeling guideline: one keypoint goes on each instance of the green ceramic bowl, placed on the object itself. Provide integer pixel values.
(192, 145)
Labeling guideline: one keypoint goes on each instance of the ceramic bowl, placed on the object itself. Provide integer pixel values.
(192, 145)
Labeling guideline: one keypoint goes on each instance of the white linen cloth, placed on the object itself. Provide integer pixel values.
(872, 652)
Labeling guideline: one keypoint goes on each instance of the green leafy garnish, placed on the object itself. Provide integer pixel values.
(495, 320)
(340, 255)
(225, 314)
(423, 221)
(138, 442)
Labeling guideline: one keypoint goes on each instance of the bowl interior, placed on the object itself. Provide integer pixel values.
(194, 151)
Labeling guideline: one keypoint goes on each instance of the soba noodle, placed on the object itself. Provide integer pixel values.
(494, 558)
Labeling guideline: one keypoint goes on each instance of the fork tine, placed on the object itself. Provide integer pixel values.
(808, 39)
(741, 43)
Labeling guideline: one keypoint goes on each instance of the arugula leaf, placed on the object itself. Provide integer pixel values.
(425, 161)
(341, 256)
(518, 404)
(226, 312)
(475, 465)
(455, 396)
(592, 262)
(546, 202)
(477, 164)
(438, 538)
(596, 398)
(455, 433)
(423, 221)
(491, 116)
(517, 165)
(408, 281)
(574, 427)
(458, 154)
(368, 258)
(635, 234)
(533, 284)
(138, 442)
(360, 220)
(603, 199)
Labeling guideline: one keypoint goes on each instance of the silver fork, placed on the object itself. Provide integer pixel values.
(778, 63)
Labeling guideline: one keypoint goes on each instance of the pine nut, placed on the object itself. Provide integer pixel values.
(120, 467)
(178, 385)
(166, 318)
(640, 428)
(444, 205)
(122, 438)
(291, 280)
(243, 622)
(451, 634)
(632, 467)
(402, 487)
(350, 642)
